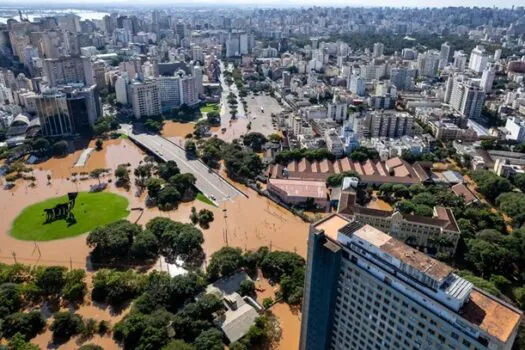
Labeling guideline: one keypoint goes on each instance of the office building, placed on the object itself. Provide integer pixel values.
(122, 88)
(68, 70)
(478, 59)
(367, 290)
(145, 98)
(99, 73)
(465, 96)
(67, 111)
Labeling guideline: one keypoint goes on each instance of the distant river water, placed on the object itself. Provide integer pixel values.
(83, 14)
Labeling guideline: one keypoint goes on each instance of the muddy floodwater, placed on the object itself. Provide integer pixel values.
(247, 222)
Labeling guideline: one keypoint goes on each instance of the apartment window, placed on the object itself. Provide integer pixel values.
(466, 343)
(454, 336)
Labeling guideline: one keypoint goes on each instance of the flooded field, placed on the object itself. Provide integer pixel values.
(177, 129)
(246, 222)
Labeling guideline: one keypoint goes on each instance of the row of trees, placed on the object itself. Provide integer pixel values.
(124, 241)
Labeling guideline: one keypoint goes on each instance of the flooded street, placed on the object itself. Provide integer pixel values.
(249, 224)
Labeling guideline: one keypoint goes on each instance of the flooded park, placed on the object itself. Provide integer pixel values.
(247, 222)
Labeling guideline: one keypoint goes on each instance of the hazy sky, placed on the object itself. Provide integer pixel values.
(368, 3)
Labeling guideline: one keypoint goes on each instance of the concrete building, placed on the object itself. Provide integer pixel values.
(68, 111)
(444, 55)
(460, 60)
(334, 143)
(479, 58)
(356, 84)
(516, 129)
(402, 77)
(465, 96)
(367, 290)
(487, 78)
(428, 63)
(387, 124)
(122, 88)
(378, 50)
(145, 98)
(67, 70)
(99, 72)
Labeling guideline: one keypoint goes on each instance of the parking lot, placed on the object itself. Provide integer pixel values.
(262, 121)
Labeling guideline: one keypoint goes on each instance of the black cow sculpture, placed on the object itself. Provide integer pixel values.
(62, 210)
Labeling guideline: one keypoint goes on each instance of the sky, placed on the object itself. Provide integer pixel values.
(367, 3)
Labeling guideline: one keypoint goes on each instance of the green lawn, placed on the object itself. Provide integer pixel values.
(210, 107)
(204, 199)
(91, 210)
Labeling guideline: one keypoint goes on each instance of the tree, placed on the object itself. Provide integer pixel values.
(10, 299)
(145, 246)
(168, 169)
(60, 148)
(99, 144)
(178, 345)
(18, 343)
(336, 180)
(97, 173)
(255, 141)
(247, 287)
(205, 217)
(122, 175)
(267, 302)
(406, 207)
(51, 280)
(65, 325)
(168, 197)
(423, 210)
(224, 262)
(424, 198)
(214, 118)
(519, 181)
(75, 286)
(190, 148)
(152, 125)
(209, 340)
(490, 185)
(401, 191)
(41, 145)
(386, 189)
(117, 287)
(184, 183)
(154, 186)
(28, 324)
(112, 241)
(90, 347)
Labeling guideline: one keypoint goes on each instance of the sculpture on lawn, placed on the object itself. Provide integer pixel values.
(61, 210)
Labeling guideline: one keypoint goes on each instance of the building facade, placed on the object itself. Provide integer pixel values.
(145, 99)
(367, 290)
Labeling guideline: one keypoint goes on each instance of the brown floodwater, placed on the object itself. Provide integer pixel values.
(177, 129)
(251, 222)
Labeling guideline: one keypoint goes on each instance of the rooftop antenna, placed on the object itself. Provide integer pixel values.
(20, 15)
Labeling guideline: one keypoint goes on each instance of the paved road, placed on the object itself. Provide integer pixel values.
(209, 183)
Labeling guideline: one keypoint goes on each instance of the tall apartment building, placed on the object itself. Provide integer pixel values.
(465, 96)
(356, 84)
(487, 78)
(387, 124)
(122, 89)
(99, 73)
(145, 98)
(460, 60)
(444, 55)
(402, 77)
(68, 70)
(366, 290)
(428, 63)
(378, 50)
(478, 59)
(516, 128)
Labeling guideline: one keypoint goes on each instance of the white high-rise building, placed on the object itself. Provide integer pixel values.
(197, 75)
(428, 63)
(444, 55)
(197, 54)
(379, 48)
(478, 59)
(145, 98)
(465, 96)
(497, 54)
(356, 84)
(243, 44)
(516, 128)
(121, 88)
(487, 78)
(460, 60)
